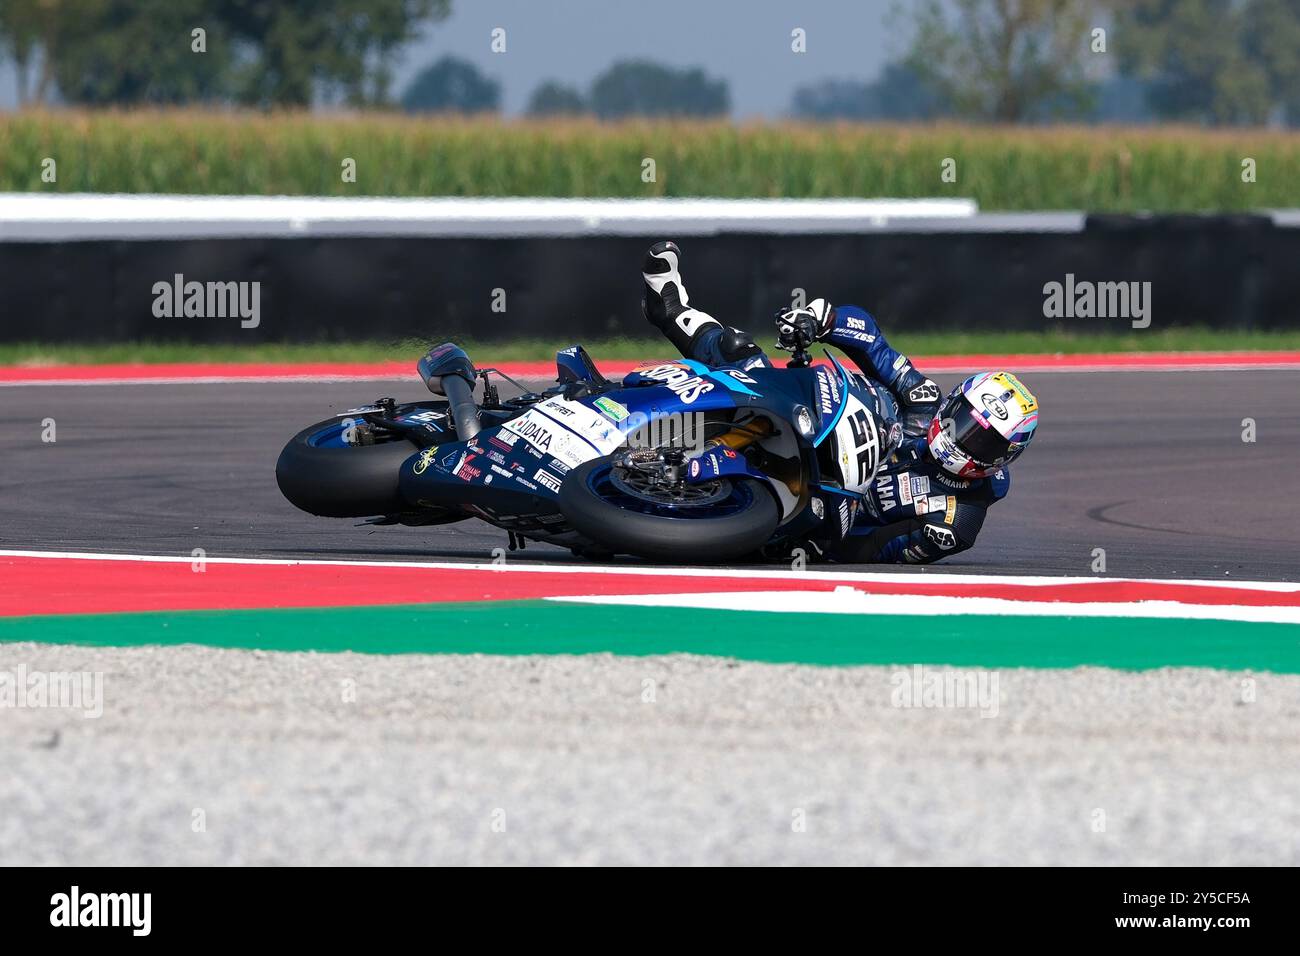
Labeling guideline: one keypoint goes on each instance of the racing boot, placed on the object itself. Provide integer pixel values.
(666, 304)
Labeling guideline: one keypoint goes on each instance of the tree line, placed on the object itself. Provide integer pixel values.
(1215, 62)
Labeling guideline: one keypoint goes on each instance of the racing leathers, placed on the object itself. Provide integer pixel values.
(914, 511)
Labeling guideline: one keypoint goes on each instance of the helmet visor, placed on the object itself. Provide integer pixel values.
(972, 433)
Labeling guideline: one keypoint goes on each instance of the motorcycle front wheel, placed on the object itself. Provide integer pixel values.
(722, 520)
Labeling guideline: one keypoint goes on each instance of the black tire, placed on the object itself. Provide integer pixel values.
(353, 482)
(669, 539)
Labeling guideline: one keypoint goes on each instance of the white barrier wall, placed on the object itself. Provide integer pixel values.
(27, 217)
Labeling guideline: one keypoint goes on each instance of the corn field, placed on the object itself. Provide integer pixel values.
(1092, 168)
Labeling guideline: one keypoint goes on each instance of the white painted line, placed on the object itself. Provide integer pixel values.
(866, 577)
(845, 600)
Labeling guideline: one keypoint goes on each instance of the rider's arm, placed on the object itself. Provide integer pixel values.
(915, 541)
(854, 331)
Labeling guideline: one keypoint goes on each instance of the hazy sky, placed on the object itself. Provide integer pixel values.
(746, 42)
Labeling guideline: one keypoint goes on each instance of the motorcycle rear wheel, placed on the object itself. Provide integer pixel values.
(323, 476)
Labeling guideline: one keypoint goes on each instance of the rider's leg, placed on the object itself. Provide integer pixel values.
(697, 335)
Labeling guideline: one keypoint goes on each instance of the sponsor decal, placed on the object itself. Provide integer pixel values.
(846, 517)
(581, 420)
(611, 408)
(941, 536)
(497, 469)
(548, 480)
(534, 428)
(556, 465)
(951, 511)
(855, 323)
(904, 489)
(885, 492)
(920, 485)
(948, 482)
(425, 460)
(922, 504)
(994, 405)
(828, 393)
(466, 471)
(571, 450)
(496, 456)
(426, 417)
(684, 383)
(505, 440)
(938, 503)
(927, 391)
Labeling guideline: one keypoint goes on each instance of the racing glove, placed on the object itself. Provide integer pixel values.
(799, 328)
(918, 400)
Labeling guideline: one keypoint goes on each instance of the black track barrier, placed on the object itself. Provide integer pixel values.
(1230, 272)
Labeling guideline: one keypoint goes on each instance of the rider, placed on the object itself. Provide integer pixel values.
(928, 501)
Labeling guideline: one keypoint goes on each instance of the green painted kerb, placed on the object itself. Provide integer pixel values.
(547, 627)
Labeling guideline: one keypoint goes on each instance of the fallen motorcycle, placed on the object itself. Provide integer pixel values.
(678, 462)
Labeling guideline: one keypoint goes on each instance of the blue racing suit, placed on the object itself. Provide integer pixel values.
(915, 511)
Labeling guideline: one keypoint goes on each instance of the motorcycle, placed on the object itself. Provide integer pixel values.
(677, 462)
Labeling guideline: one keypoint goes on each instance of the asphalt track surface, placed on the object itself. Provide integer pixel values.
(1149, 466)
